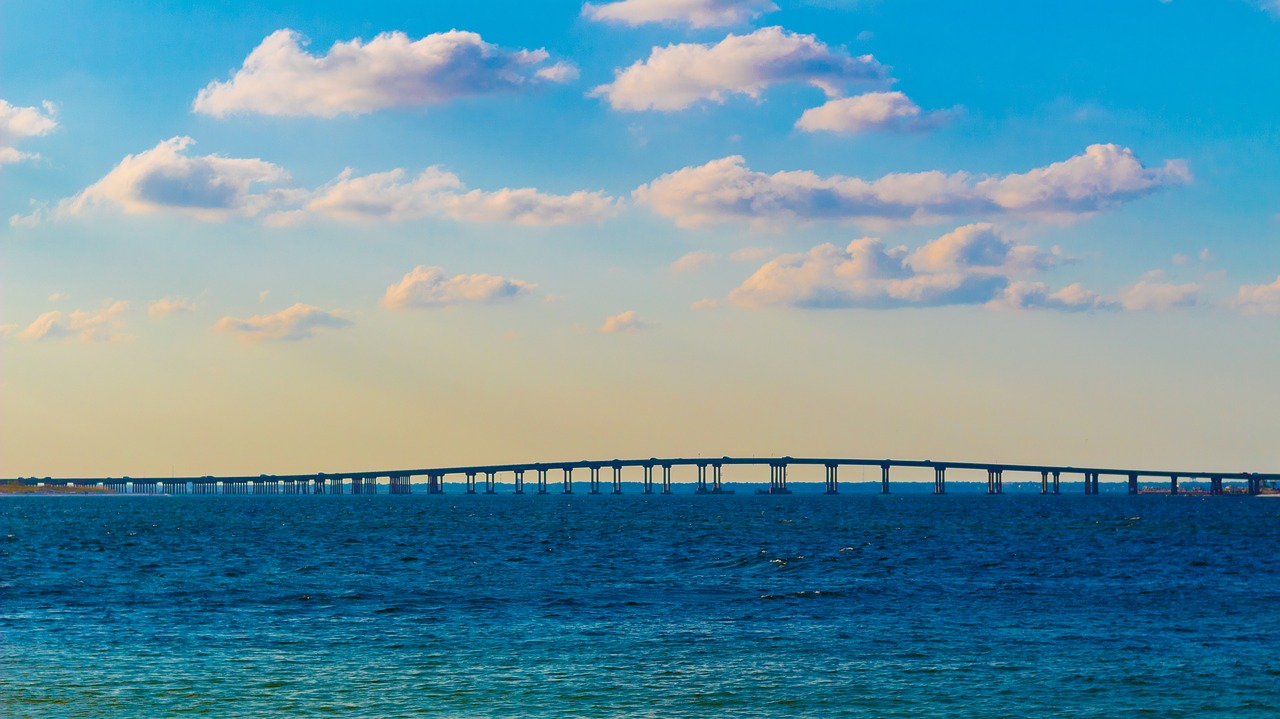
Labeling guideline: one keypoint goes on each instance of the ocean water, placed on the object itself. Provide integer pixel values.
(640, 606)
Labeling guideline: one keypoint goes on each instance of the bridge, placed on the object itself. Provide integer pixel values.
(400, 481)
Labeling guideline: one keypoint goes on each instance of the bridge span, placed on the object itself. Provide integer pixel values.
(709, 477)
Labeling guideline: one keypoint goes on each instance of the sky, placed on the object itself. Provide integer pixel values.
(287, 236)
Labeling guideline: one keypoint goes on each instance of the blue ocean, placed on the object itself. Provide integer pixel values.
(854, 605)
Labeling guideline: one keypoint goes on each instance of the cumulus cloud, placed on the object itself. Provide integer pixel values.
(166, 306)
(292, 324)
(695, 13)
(1024, 295)
(430, 287)
(1153, 294)
(165, 178)
(213, 188)
(694, 261)
(391, 196)
(281, 78)
(971, 265)
(870, 112)
(677, 76)
(726, 190)
(88, 326)
(623, 322)
(1258, 299)
(20, 123)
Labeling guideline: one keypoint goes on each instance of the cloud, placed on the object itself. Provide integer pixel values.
(280, 78)
(750, 254)
(20, 123)
(695, 13)
(88, 326)
(727, 190)
(429, 287)
(435, 192)
(1258, 299)
(164, 178)
(295, 323)
(677, 76)
(707, 303)
(968, 266)
(212, 188)
(623, 322)
(1074, 297)
(1151, 294)
(694, 261)
(870, 112)
(170, 305)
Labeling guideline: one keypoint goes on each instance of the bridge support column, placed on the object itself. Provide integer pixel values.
(1096, 489)
(1088, 482)
(519, 481)
(1215, 485)
(884, 479)
(435, 484)
(778, 482)
(617, 479)
(595, 480)
(1056, 487)
(1255, 486)
(542, 481)
(939, 480)
(471, 482)
(567, 486)
(490, 487)
(1173, 484)
(702, 479)
(1133, 483)
(648, 479)
(666, 479)
(1044, 482)
(833, 483)
(715, 479)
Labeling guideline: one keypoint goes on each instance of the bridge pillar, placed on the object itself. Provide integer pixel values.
(778, 480)
(1096, 489)
(1044, 482)
(1056, 488)
(715, 479)
(490, 487)
(648, 479)
(991, 481)
(471, 482)
(435, 483)
(666, 479)
(1088, 482)
(833, 483)
(939, 480)
(595, 480)
(1173, 484)
(1215, 485)
(617, 479)
(542, 481)
(1255, 486)
(884, 479)
(702, 479)
(1133, 483)
(519, 481)
(567, 487)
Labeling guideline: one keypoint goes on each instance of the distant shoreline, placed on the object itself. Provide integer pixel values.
(50, 490)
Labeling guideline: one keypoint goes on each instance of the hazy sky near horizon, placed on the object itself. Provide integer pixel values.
(287, 236)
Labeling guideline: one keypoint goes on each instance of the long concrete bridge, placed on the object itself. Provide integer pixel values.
(400, 481)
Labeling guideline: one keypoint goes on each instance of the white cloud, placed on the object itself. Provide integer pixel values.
(677, 76)
(968, 266)
(726, 190)
(750, 254)
(280, 78)
(870, 112)
(694, 261)
(623, 322)
(696, 13)
(166, 306)
(164, 178)
(389, 196)
(1151, 294)
(429, 287)
(6, 330)
(298, 322)
(88, 326)
(707, 303)
(20, 123)
(212, 188)
(1258, 299)
(1024, 295)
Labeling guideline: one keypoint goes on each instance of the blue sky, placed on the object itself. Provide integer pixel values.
(280, 236)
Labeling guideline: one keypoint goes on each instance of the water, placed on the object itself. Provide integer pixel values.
(633, 606)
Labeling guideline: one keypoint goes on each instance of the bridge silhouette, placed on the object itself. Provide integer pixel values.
(400, 481)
